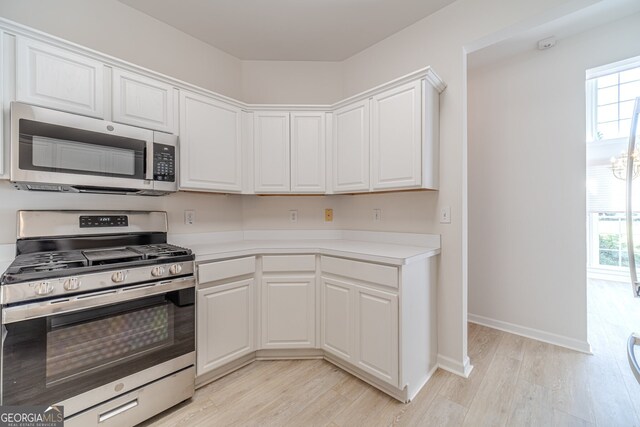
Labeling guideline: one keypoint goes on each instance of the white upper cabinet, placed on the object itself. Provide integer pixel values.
(308, 152)
(383, 139)
(57, 78)
(351, 148)
(396, 138)
(271, 152)
(210, 144)
(141, 101)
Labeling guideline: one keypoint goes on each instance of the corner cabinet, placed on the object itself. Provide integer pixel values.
(288, 306)
(308, 145)
(141, 101)
(210, 144)
(376, 321)
(57, 78)
(288, 312)
(271, 152)
(289, 152)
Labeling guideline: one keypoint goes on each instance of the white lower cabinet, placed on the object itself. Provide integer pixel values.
(376, 331)
(225, 324)
(360, 326)
(377, 321)
(337, 319)
(288, 312)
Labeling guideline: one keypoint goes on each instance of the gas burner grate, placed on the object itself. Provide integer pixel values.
(46, 261)
(161, 250)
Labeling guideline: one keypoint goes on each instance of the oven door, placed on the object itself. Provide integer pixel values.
(66, 348)
(53, 147)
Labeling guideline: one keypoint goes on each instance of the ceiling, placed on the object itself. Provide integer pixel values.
(289, 30)
(599, 13)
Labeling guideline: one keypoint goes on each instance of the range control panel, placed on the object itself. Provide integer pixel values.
(164, 162)
(91, 221)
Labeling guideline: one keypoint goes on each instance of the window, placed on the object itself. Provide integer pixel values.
(611, 98)
(610, 230)
(611, 93)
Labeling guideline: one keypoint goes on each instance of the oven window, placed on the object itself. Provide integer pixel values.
(53, 148)
(79, 348)
(50, 359)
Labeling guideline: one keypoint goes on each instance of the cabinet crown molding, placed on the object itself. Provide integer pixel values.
(15, 29)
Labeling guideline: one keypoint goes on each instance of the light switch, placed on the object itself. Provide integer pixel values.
(445, 215)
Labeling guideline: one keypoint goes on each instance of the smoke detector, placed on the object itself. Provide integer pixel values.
(547, 43)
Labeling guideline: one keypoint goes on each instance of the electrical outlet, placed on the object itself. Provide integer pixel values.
(445, 215)
(377, 214)
(328, 215)
(293, 215)
(189, 217)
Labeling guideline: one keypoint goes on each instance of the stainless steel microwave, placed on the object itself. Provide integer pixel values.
(56, 151)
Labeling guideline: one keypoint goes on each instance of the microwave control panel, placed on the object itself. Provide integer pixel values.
(164, 162)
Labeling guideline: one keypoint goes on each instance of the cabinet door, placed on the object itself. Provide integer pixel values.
(396, 138)
(58, 78)
(141, 101)
(337, 319)
(225, 324)
(288, 312)
(271, 148)
(307, 152)
(351, 148)
(376, 324)
(210, 144)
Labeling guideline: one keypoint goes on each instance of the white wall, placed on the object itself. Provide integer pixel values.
(527, 172)
(291, 82)
(440, 40)
(272, 212)
(213, 212)
(113, 28)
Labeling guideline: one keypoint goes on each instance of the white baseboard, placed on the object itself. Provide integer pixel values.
(536, 334)
(451, 365)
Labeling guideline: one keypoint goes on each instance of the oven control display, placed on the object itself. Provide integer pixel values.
(90, 221)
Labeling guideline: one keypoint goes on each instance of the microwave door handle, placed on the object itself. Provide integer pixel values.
(148, 173)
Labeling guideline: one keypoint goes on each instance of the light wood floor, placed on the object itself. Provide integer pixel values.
(516, 382)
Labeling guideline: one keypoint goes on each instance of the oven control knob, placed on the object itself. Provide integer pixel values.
(71, 284)
(118, 276)
(157, 271)
(43, 288)
(175, 269)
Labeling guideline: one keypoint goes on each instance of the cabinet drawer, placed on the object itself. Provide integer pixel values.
(288, 263)
(369, 272)
(219, 270)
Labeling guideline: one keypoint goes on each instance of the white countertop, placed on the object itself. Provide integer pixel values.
(388, 248)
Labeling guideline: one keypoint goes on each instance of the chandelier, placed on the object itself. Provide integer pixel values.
(619, 165)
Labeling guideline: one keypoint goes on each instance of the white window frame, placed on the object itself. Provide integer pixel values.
(591, 93)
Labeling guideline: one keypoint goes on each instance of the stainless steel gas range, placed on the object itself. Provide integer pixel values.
(98, 315)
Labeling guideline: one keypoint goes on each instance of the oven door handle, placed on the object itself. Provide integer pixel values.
(82, 302)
